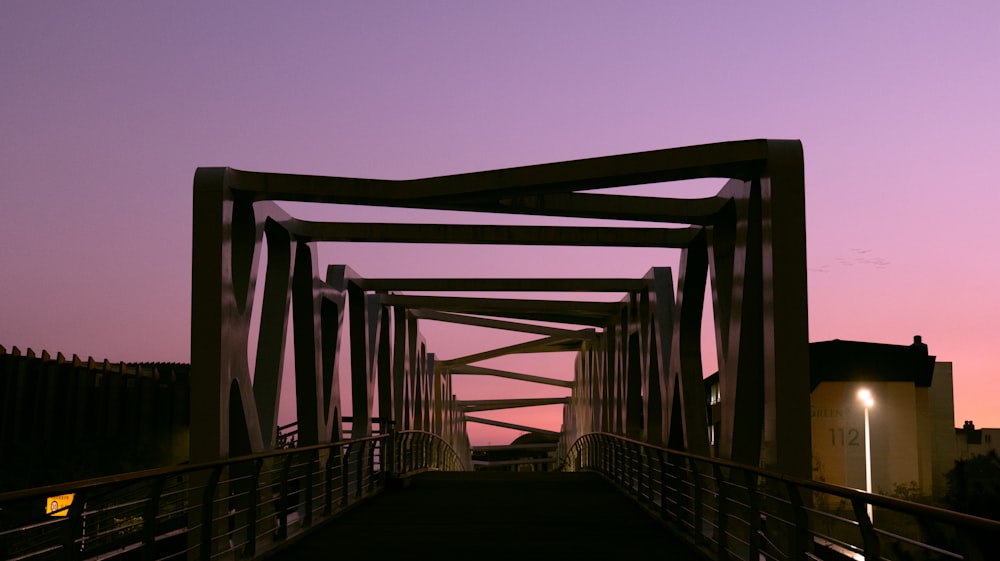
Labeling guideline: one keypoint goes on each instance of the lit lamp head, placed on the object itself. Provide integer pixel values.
(865, 395)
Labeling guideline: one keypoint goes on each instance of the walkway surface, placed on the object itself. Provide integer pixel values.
(486, 515)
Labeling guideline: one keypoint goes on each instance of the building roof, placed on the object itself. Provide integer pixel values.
(855, 361)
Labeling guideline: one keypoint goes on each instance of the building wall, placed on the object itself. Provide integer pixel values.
(838, 431)
(970, 441)
(911, 430)
(941, 412)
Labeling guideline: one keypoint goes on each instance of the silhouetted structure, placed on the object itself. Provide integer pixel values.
(529, 452)
(639, 372)
(635, 412)
(62, 420)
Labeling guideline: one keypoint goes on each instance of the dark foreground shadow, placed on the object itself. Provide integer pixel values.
(483, 515)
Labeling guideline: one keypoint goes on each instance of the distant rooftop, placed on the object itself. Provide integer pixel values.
(855, 361)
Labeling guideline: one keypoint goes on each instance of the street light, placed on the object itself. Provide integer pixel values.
(865, 395)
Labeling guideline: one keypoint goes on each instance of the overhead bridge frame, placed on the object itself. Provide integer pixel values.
(638, 373)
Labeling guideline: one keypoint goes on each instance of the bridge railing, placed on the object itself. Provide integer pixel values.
(229, 509)
(734, 511)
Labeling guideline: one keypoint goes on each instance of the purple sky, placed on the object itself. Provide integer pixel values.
(107, 111)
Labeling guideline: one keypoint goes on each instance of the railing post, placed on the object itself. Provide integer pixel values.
(629, 466)
(331, 460)
(800, 541)
(868, 536)
(389, 458)
(640, 471)
(663, 483)
(149, 519)
(722, 509)
(645, 476)
(360, 467)
(373, 472)
(307, 493)
(697, 500)
(613, 460)
(207, 508)
(753, 501)
(254, 495)
(283, 499)
(635, 452)
(345, 473)
(74, 528)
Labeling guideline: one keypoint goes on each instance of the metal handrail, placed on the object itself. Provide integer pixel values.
(732, 510)
(233, 508)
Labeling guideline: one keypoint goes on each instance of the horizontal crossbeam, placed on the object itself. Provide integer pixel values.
(621, 207)
(469, 191)
(480, 371)
(536, 446)
(493, 404)
(503, 285)
(514, 426)
(588, 334)
(546, 345)
(596, 314)
(493, 234)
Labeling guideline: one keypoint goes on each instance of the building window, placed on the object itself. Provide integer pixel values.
(987, 438)
(713, 394)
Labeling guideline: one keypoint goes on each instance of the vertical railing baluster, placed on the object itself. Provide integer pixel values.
(722, 514)
(801, 539)
(664, 511)
(869, 538)
(283, 498)
(307, 495)
(207, 511)
(254, 499)
(345, 474)
(360, 476)
(149, 513)
(697, 500)
(74, 528)
(331, 458)
(755, 520)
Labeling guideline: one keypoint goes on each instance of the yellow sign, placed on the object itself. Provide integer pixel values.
(59, 504)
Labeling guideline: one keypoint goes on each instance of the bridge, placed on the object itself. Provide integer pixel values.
(637, 469)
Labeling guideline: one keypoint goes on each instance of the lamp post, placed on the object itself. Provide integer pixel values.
(865, 395)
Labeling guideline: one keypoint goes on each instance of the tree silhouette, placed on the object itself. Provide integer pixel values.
(974, 485)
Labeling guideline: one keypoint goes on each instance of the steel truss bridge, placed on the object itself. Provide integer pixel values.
(634, 413)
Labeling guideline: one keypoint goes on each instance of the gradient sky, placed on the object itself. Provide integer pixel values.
(108, 108)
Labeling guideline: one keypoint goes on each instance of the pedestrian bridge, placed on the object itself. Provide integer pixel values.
(639, 467)
(407, 495)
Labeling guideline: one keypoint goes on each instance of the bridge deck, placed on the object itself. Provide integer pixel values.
(484, 515)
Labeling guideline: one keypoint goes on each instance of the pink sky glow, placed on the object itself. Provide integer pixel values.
(108, 108)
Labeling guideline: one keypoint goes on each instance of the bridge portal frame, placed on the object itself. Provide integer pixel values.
(749, 240)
